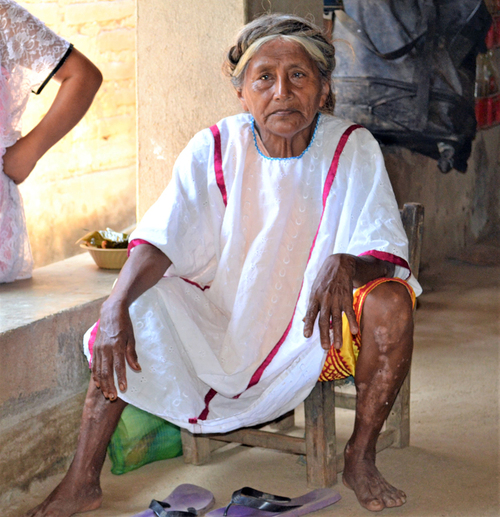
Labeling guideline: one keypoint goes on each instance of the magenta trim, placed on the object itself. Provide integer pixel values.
(208, 397)
(135, 242)
(388, 257)
(260, 370)
(92, 338)
(195, 284)
(335, 162)
(219, 173)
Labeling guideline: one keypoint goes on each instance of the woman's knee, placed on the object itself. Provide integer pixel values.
(388, 313)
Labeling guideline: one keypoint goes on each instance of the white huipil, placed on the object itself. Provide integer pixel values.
(220, 338)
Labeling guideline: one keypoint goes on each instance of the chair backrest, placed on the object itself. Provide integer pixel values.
(412, 216)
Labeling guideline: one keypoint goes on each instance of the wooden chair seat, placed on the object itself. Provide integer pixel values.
(319, 443)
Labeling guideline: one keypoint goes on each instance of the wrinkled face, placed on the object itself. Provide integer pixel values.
(282, 89)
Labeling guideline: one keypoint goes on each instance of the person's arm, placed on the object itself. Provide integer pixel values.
(331, 293)
(115, 341)
(79, 81)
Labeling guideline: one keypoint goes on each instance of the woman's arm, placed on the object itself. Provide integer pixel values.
(331, 293)
(79, 81)
(115, 341)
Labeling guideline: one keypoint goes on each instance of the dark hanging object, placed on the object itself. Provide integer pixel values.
(406, 71)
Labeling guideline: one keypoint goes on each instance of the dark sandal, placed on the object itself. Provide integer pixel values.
(260, 501)
(249, 502)
(160, 510)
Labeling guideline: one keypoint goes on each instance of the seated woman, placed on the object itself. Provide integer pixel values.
(272, 218)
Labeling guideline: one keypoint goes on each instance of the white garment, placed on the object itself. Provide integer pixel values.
(29, 52)
(232, 355)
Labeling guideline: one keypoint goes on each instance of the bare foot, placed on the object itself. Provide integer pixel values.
(66, 500)
(373, 492)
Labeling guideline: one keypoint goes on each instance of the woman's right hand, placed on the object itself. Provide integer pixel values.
(115, 342)
(114, 345)
(19, 160)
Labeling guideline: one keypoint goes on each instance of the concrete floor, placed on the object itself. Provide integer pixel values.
(450, 469)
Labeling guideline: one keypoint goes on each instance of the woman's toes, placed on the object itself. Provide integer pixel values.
(374, 505)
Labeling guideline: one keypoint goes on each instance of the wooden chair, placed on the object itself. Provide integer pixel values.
(319, 444)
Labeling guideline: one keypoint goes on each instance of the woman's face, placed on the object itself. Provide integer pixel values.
(282, 89)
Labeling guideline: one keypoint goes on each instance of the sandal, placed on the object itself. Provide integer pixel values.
(185, 501)
(248, 502)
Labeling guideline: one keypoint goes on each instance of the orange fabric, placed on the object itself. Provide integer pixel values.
(340, 364)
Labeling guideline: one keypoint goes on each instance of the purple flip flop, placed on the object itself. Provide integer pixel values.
(189, 499)
(249, 502)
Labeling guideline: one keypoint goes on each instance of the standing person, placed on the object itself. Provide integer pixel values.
(274, 219)
(30, 55)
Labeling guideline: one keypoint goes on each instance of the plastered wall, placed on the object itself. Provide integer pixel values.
(87, 180)
(310, 9)
(181, 88)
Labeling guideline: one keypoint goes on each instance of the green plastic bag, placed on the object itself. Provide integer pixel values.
(142, 438)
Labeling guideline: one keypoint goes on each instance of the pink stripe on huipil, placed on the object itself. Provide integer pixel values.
(135, 242)
(219, 174)
(332, 171)
(92, 338)
(203, 415)
(195, 284)
(388, 257)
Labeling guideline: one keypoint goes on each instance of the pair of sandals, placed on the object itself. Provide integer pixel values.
(192, 501)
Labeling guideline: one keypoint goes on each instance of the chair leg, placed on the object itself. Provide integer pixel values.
(195, 448)
(321, 450)
(399, 417)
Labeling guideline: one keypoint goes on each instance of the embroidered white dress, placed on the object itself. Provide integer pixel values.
(220, 338)
(29, 52)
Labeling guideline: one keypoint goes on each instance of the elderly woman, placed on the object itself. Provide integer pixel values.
(272, 218)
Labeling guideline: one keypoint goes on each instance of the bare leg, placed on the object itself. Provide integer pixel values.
(383, 362)
(80, 489)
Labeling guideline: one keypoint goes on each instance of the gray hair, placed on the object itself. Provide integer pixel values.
(289, 27)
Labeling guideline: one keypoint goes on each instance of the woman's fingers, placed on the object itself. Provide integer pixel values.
(311, 313)
(96, 364)
(131, 355)
(119, 365)
(114, 347)
(336, 324)
(106, 359)
(324, 327)
(351, 318)
(107, 379)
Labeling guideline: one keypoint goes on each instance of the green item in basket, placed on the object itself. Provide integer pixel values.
(142, 438)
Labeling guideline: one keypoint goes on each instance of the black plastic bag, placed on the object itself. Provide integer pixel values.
(406, 71)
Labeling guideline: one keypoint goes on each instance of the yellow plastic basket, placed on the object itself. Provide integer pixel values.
(107, 258)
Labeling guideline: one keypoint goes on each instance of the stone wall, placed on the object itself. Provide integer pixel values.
(87, 180)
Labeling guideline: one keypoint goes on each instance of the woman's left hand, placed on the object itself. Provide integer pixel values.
(19, 160)
(331, 295)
